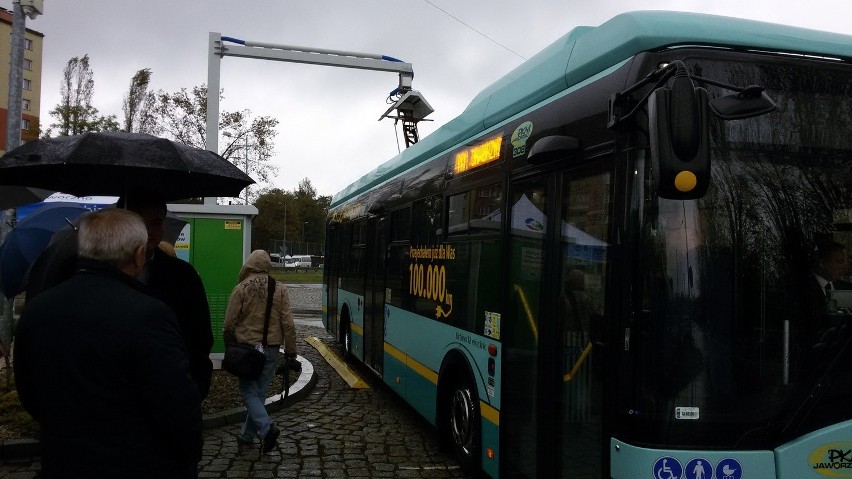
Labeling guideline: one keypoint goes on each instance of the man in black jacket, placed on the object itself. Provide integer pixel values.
(171, 280)
(176, 283)
(101, 365)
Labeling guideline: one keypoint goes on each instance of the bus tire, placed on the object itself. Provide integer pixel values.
(463, 423)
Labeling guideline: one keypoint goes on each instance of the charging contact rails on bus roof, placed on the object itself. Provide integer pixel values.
(477, 155)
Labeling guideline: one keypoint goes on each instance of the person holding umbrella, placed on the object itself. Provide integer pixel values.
(101, 365)
(115, 163)
(176, 283)
(169, 279)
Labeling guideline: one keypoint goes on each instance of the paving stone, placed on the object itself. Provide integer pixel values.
(333, 431)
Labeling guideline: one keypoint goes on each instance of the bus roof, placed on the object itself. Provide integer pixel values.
(587, 51)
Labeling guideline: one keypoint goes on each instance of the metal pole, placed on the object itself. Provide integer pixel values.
(284, 252)
(246, 151)
(16, 78)
(13, 138)
(214, 62)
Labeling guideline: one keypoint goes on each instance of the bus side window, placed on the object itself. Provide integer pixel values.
(353, 280)
(473, 273)
(427, 221)
(426, 234)
(476, 211)
(400, 229)
(397, 258)
(458, 213)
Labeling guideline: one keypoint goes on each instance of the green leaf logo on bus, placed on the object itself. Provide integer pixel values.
(519, 138)
(428, 279)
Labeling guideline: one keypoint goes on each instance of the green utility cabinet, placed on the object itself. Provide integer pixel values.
(216, 241)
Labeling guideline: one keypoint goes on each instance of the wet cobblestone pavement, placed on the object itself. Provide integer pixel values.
(334, 431)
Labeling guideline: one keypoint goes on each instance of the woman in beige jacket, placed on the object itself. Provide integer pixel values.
(244, 320)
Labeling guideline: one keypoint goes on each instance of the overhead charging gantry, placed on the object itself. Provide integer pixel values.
(408, 105)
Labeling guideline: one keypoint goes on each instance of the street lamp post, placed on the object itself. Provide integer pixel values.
(303, 236)
(246, 151)
(284, 249)
(32, 9)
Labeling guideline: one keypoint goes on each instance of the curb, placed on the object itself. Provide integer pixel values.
(19, 448)
(297, 391)
(24, 448)
(351, 378)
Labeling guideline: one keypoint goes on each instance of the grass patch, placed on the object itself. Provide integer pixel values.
(297, 275)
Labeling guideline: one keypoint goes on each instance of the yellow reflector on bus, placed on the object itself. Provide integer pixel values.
(478, 155)
(685, 181)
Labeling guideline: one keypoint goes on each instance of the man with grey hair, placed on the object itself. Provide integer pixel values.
(101, 365)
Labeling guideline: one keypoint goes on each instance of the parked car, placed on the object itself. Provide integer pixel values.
(297, 261)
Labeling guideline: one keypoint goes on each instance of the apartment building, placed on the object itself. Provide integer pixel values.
(31, 93)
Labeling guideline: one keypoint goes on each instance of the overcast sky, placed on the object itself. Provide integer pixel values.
(328, 130)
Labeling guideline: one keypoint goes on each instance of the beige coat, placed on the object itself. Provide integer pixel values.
(247, 307)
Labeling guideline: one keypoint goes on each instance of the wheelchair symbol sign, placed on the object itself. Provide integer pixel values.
(667, 468)
(698, 468)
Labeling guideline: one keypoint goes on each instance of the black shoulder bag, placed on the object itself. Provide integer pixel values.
(244, 360)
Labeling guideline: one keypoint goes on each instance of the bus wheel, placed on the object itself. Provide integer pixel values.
(464, 425)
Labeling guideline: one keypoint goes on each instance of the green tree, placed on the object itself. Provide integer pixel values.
(249, 142)
(269, 224)
(287, 216)
(312, 211)
(139, 105)
(75, 114)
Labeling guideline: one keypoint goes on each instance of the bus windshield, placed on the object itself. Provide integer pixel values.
(734, 342)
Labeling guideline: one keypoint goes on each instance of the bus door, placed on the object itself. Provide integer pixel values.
(520, 411)
(374, 294)
(583, 249)
(331, 274)
(558, 242)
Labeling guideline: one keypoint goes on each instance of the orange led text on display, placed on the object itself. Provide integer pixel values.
(478, 155)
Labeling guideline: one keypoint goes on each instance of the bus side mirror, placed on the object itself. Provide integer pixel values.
(680, 133)
(745, 104)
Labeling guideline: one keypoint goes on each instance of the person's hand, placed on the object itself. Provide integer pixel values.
(293, 364)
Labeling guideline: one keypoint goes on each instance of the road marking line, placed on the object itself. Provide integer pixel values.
(342, 369)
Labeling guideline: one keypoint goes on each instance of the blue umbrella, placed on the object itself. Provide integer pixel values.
(29, 238)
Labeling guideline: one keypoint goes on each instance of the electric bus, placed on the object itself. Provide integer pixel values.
(608, 265)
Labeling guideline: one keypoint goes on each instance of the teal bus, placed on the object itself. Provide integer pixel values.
(612, 263)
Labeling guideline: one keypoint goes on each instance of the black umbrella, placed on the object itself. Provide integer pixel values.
(13, 196)
(113, 163)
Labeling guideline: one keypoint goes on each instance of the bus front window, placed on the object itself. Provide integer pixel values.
(733, 346)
